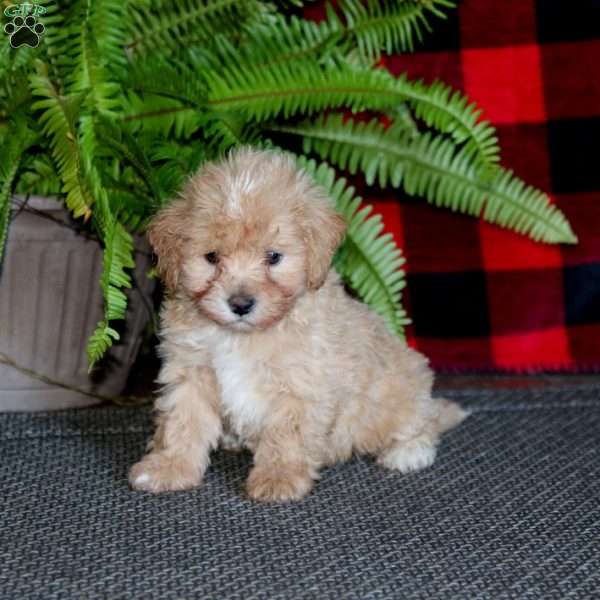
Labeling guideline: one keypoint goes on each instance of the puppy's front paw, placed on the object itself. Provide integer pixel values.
(158, 473)
(280, 484)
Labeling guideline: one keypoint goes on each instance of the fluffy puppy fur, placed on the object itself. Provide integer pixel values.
(301, 374)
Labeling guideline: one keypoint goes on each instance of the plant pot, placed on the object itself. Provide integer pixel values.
(50, 303)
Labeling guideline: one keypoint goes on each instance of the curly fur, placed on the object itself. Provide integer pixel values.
(303, 380)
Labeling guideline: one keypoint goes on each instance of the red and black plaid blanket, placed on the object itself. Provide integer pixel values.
(480, 297)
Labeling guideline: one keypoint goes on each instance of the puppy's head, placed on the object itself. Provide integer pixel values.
(248, 236)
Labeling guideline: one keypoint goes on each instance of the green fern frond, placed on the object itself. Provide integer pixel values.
(280, 40)
(302, 87)
(147, 171)
(100, 342)
(76, 60)
(11, 154)
(160, 115)
(57, 37)
(14, 89)
(305, 87)
(171, 163)
(169, 79)
(365, 27)
(15, 96)
(123, 100)
(164, 97)
(108, 23)
(387, 25)
(368, 261)
(83, 57)
(433, 167)
(58, 123)
(126, 148)
(451, 112)
(13, 67)
(223, 131)
(12, 151)
(186, 156)
(38, 176)
(180, 23)
(117, 257)
(134, 213)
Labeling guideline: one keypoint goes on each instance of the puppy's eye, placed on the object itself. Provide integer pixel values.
(273, 258)
(212, 258)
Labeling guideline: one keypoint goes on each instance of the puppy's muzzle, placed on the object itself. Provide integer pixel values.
(241, 304)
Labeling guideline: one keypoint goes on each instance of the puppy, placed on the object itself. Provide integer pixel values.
(262, 346)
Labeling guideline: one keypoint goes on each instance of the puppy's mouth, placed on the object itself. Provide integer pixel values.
(241, 324)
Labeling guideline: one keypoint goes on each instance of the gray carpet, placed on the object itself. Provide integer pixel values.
(511, 509)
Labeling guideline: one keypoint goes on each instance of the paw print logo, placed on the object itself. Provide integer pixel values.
(24, 31)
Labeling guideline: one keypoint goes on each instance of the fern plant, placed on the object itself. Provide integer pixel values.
(123, 100)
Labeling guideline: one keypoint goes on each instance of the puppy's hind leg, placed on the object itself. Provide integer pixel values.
(189, 426)
(414, 444)
(410, 454)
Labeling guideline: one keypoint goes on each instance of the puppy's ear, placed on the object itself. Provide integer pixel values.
(323, 232)
(166, 234)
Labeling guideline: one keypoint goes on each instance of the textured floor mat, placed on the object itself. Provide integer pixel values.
(511, 509)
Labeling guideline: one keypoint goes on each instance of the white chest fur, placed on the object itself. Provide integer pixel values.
(238, 376)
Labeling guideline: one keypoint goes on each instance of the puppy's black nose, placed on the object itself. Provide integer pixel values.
(241, 304)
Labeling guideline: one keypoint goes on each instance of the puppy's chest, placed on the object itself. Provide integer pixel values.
(239, 377)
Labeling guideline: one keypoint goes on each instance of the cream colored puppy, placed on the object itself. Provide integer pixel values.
(260, 341)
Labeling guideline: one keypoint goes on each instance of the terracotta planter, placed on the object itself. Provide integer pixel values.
(50, 302)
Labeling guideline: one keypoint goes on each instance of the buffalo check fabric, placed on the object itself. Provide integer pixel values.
(482, 298)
